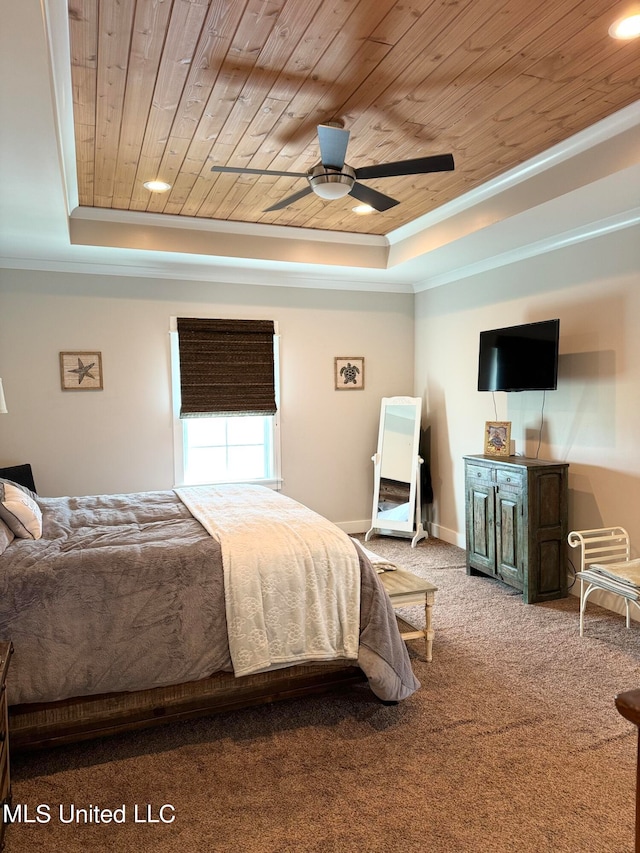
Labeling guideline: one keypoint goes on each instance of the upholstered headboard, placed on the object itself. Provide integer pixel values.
(20, 474)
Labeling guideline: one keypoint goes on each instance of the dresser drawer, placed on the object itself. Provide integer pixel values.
(507, 477)
(480, 474)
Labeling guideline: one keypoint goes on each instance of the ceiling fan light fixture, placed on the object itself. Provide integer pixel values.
(330, 184)
(331, 191)
(627, 27)
(332, 178)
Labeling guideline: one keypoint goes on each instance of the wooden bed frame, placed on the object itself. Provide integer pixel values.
(35, 726)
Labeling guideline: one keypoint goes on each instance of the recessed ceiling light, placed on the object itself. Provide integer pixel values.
(157, 186)
(626, 28)
(362, 209)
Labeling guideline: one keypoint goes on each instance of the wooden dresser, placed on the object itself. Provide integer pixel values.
(516, 520)
(6, 650)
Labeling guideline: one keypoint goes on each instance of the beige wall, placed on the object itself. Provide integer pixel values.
(592, 421)
(121, 439)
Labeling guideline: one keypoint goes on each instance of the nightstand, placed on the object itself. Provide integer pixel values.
(6, 650)
(405, 589)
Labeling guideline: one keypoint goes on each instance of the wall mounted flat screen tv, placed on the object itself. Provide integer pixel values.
(519, 358)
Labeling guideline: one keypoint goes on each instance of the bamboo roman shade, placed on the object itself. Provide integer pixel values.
(226, 367)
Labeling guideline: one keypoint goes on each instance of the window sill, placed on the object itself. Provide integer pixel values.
(273, 483)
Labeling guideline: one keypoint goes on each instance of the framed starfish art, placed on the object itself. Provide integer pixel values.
(81, 371)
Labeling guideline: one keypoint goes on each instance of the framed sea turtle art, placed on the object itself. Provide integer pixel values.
(349, 373)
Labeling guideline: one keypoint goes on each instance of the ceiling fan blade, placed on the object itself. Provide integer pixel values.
(419, 166)
(333, 145)
(367, 195)
(238, 170)
(289, 199)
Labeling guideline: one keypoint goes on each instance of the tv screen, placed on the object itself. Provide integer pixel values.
(519, 358)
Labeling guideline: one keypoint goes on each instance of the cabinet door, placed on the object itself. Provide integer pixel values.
(510, 533)
(548, 536)
(481, 546)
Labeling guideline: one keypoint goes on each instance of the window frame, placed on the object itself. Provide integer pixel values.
(179, 433)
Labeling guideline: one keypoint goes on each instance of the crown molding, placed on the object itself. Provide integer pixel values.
(586, 140)
(591, 231)
(213, 273)
(219, 226)
(225, 240)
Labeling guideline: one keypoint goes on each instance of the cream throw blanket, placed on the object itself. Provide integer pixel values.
(291, 578)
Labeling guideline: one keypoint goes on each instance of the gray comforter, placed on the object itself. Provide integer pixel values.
(125, 592)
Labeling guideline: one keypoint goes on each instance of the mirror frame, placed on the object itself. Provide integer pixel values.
(413, 525)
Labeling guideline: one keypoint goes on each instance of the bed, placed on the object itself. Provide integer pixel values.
(119, 611)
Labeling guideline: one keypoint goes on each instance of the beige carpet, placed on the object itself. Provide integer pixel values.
(512, 744)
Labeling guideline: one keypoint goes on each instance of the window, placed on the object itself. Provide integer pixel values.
(228, 449)
(223, 448)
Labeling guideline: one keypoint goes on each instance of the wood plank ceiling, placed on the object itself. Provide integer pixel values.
(167, 88)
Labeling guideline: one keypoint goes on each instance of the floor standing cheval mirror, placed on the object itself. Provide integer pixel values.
(397, 505)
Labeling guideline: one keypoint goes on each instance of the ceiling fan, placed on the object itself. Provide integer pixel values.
(332, 178)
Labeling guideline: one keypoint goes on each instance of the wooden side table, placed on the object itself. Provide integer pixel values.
(405, 589)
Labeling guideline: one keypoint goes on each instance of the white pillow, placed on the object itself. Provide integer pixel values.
(6, 537)
(20, 512)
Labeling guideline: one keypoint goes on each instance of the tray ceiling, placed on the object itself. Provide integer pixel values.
(167, 88)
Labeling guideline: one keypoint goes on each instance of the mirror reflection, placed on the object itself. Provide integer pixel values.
(396, 506)
(397, 463)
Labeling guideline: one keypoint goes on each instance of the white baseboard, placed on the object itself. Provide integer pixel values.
(448, 535)
(435, 530)
(352, 527)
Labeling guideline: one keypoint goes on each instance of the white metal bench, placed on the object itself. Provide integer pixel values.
(605, 563)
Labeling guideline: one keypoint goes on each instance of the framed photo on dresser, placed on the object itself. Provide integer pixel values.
(497, 438)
